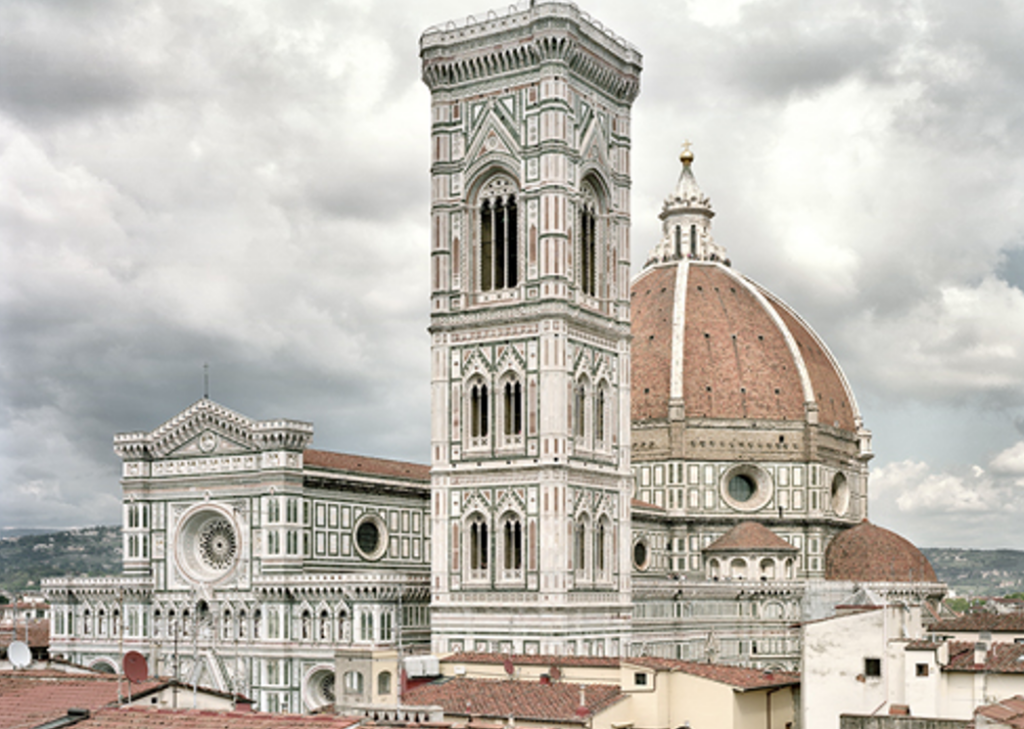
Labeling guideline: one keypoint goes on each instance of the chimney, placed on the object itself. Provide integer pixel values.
(980, 653)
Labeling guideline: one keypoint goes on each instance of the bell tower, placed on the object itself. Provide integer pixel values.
(531, 538)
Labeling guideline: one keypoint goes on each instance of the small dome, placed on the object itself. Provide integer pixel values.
(869, 553)
(749, 536)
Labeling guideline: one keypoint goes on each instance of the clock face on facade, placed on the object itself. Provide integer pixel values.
(208, 544)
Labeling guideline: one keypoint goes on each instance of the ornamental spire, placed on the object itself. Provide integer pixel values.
(686, 221)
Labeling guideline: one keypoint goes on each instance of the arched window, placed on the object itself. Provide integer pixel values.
(241, 624)
(256, 616)
(384, 683)
(679, 242)
(324, 632)
(478, 412)
(479, 548)
(600, 406)
(225, 628)
(353, 682)
(306, 625)
(512, 547)
(588, 248)
(87, 622)
(579, 408)
(738, 569)
(156, 623)
(580, 547)
(767, 569)
(602, 548)
(513, 408)
(693, 241)
(499, 236)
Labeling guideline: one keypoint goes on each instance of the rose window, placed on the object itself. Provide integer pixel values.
(217, 544)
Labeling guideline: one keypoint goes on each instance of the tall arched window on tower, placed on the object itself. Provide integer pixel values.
(602, 549)
(498, 264)
(512, 411)
(693, 241)
(511, 547)
(600, 417)
(479, 548)
(579, 411)
(479, 413)
(580, 547)
(588, 241)
(679, 242)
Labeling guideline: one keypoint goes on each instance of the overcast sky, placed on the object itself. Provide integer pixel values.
(246, 184)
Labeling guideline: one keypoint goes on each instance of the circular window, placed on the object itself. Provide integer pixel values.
(741, 487)
(371, 537)
(319, 687)
(640, 555)
(208, 544)
(217, 544)
(746, 487)
(840, 495)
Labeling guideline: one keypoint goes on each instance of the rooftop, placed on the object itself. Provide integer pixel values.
(366, 465)
(532, 700)
(982, 621)
(743, 679)
(30, 698)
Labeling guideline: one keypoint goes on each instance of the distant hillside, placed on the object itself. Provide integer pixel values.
(26, 559)
(979, 572)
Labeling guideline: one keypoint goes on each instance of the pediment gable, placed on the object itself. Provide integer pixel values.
(493, 135)
(207, 428)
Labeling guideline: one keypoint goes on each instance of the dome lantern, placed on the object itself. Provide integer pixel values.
(686, 221)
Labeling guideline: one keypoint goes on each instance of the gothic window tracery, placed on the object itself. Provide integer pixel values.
(479, 548)
(479, 412)
(589, 234)
(511, 547)
(580, 547)
(602, 549)
(498, 264)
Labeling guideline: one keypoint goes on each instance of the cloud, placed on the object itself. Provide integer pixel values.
(973, 507)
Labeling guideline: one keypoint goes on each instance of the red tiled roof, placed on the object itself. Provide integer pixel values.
(977, 622)
(144, 718)
(1008, 712)
(750, 536)
(528, 700)
(31, 698)
(999, 658)
(744, 679)
(366, 465)
(541, 660)
(38, 634)
(737, 363)
(869, 553)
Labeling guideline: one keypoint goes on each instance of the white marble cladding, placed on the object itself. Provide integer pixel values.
(214, 465)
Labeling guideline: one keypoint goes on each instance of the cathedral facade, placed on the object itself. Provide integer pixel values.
(672, 467)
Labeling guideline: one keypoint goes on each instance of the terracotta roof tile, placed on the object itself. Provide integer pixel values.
(750, 536)
(38, 634)
(366, 465)
(978, 622)
(1008, 712)
(652, 300)
(527, 700)
(999, 658)
(638, 504)
(30, 698)
(869, 553)
(738, 677)
(144, 718)
(737, 363)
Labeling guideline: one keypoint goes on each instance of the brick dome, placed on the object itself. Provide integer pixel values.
(869, 553)
(728, 349)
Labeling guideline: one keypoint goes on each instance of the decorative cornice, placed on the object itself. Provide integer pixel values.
(523, 39)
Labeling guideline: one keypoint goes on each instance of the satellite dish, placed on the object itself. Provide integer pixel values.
(19, 654)
(135, 667)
